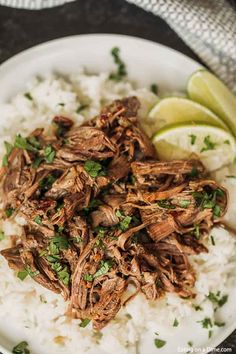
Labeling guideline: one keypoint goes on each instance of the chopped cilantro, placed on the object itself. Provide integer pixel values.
(105, 266)
(166, 204)
(175, 323)
(217, 298)
(196, 231)
(22, 274)
(190, 343)
(2, 235)
(213, 241)
(38, 220)
(194, 172)
(88, 277)
(9, 212)
(28, 96)
(206, 322)
(49, 154)
(60, 241)
(37, 161)
(8, 147)
(184, 203)
(21, 348)
(209, 145)
(159, 343)
(227, 142)
(231, 176)
(198, 308)
(124, 224)
(217, 210)
(193, 138)
(210, 334)
(93, 168)
(84, 322)
(47, 182)
(121, 69)
(64, 276)
(24, 144)
(154, 88)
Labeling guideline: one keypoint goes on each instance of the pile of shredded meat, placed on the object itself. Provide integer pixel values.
(102, 213)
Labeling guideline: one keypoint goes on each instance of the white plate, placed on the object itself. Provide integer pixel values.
(147, 62)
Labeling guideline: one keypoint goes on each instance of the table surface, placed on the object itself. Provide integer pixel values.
(22, 29)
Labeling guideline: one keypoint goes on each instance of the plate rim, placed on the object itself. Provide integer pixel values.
(13, 60)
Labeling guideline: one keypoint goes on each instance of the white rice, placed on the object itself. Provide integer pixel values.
(38, 315)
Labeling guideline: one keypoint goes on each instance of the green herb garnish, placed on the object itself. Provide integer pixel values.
(121, 69)
(22, 274)
(105, 266)
(190, 343)
(194, 172)
(9, 212)
(21, 348)
(84, 322)
(124, 224)
(213, 240)
(209, 145)
(47, 182)
(210, 334)
(217, 298)
(64, 276)
(206, 322)
(88, 277)
(38, 220)
(193, 138)
(154, 88)
(184, 203)
(227, 142)
(93, 168)
(175, 323)
(24, 144)
(166, 204)
(198, 308)
(49, 154)
(231, 176)
(37, 161)
(159, 343)
(8, 147)
(28, 96)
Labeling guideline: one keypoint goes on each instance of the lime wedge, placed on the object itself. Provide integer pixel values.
(214, 146)
(181, 110)
(208, 90)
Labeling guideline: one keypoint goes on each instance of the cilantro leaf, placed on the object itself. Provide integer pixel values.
(93, 168)
(49, 154)
(159, 343)
(21, 348)
(121, 69)
(209, 145)
(84, 322)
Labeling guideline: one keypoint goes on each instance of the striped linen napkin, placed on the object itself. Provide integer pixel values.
(208, 27)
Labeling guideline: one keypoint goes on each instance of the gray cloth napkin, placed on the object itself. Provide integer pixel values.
(207, 26)
(33, 4)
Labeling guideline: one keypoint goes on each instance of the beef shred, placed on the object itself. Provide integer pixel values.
(102, 213)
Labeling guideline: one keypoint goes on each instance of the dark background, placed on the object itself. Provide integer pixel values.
(22, 29)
